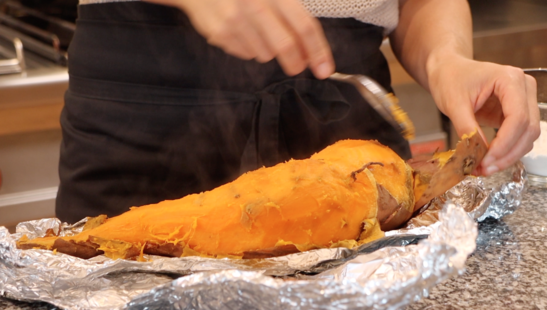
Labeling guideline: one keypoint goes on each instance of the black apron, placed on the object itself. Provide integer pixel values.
(153, 112)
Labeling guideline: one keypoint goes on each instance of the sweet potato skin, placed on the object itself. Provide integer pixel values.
(436, 174)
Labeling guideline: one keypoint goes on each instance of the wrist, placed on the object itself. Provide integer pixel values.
(443, 58)
(441, 61)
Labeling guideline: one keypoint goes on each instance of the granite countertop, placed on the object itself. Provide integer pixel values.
(505, 272)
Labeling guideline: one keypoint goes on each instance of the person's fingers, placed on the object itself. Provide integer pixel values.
(242, 29)
(252, 41)
(520, 127)
(232, 44)
(493, 95)
(531, 91)
(279, 38)
(512, 155)
(310, 37)
(213, 27)
(462, 116)
(257, 44)
(265, 29)
(227, 27)
(531, 131)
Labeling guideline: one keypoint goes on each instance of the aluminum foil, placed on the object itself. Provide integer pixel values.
(385, 274)
(482, 198)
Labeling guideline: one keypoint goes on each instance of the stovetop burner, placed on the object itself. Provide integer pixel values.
(42, 27)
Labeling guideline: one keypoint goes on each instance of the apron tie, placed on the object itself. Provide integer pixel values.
(264, 147)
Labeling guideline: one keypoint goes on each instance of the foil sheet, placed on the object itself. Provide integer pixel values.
(493, 197)
(385, 274)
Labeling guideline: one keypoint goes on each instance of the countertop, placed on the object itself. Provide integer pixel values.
(505, 272)
(507, 269)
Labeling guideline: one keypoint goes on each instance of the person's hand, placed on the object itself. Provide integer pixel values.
(471, 93)
(262, 30)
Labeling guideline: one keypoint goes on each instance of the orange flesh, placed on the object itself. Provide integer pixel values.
(312, 203)
(308, 203)
(395, 175)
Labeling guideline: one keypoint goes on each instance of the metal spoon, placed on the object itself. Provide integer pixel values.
(383, 102)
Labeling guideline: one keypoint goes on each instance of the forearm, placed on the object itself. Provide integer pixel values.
(429, 33)
(434, 42)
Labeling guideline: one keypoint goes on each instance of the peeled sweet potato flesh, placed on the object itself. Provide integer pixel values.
(344, 195)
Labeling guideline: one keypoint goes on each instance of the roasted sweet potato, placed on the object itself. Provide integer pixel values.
(344, 195)
(394, 178)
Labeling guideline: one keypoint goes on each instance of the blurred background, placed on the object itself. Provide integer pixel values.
(34, 36)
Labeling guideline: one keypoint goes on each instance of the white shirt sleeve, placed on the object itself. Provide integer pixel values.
(384, 13)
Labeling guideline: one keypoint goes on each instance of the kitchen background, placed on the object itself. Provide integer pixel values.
(33, 80)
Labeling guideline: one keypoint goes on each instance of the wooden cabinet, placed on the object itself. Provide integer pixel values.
(30, 138)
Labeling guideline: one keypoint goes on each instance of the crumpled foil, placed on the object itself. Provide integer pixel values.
(482, 198)
(386, 274)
